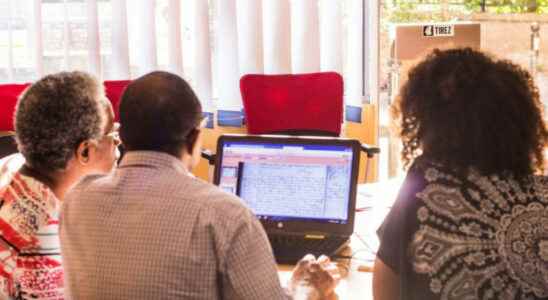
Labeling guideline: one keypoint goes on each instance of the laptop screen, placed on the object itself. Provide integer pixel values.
(289, 181)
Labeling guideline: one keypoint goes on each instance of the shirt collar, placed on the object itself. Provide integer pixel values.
(153, 159)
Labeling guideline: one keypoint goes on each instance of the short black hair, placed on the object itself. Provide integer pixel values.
(55, 114)
(158, 112)
(465, 109)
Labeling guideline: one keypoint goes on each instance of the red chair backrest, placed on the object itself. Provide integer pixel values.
(114, 90)
(300, 102)
(8, 99)
(9, 93)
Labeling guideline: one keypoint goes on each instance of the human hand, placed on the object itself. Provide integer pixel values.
(314, 279)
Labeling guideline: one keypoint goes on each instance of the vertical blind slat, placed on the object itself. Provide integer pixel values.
(305, 36)
(227, 54)
(93, 39)
(277, 36)
(331, 36)
(372, 47)
(120, 47)
(175, 50)
(11, 73)
(146, 36)
(202, 54)
(66, 37)
(250, 36)
(354, 53)
(37, 33)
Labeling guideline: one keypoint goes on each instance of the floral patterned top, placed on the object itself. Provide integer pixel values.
(30, 261)
(450, 236)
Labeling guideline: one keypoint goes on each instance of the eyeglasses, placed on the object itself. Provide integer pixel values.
(114, 132)
(203, 122)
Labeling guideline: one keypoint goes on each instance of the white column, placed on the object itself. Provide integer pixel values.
(354, 53)
(38, 43)
(94, 44)
(227, 54)
(331, 36)
(120, 48)
(250, 36)
(202, 54)
(277, 36)
(146, 36)
(305, 36)
(11, 72)
(175, 52)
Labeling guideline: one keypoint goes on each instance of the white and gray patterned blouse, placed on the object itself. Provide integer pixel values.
(452, 236)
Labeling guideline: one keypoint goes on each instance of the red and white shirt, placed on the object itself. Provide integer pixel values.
(30, 259)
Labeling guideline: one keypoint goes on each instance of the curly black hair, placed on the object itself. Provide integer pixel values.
(465, 109)
(55, 114)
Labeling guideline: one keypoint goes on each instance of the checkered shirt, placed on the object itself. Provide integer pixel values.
(150, 230)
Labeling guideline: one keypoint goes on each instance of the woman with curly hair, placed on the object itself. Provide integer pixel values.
(471, 219)
(64, 130)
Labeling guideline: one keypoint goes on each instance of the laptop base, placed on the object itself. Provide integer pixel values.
(291, 249)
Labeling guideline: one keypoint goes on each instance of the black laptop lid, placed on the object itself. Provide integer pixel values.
(293, 184)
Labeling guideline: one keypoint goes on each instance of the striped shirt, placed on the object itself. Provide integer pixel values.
(150, 230)
(30, 261)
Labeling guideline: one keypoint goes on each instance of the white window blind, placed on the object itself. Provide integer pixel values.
(305, 36)
(119, 41)
(210, 43)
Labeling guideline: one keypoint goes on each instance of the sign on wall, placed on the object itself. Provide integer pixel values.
(438, 30)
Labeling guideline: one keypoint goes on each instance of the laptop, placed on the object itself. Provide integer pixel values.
(302, 189)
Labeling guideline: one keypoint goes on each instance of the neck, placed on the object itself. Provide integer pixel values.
(186, 159)
(58, 181)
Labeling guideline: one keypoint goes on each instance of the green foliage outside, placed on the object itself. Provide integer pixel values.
(402, 11)
(509, 6)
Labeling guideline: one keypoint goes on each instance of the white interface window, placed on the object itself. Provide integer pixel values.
(290, 181)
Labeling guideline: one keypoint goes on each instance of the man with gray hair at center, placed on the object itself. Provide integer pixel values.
(151, 230)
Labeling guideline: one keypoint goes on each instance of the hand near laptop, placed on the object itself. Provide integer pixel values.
(314, 279)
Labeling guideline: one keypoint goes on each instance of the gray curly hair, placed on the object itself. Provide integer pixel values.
(55, 114)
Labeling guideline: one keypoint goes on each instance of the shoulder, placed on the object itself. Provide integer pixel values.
(9, 166)
(88, 182)
(219, 203)
(540, 185)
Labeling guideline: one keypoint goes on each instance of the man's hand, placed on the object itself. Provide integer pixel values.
(314, 279)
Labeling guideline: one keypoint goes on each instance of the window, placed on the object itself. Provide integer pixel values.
(120, 39)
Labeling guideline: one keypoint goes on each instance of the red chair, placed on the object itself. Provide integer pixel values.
(303, 104)
(9, 93)
(8, 99)
(114, 90)
(296, 104)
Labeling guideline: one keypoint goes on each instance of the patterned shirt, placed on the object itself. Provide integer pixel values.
(30, 261)
(451, 236)
(150, 230)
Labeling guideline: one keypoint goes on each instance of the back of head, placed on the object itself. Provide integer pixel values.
(465, 109)
(158, 112)
(55, 114)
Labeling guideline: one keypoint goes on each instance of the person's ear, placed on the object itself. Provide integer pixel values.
(83, 152)
(191, 139)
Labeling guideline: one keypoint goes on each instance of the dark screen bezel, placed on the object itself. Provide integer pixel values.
(299, 225)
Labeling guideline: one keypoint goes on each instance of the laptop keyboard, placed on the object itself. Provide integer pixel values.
(290, 249)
